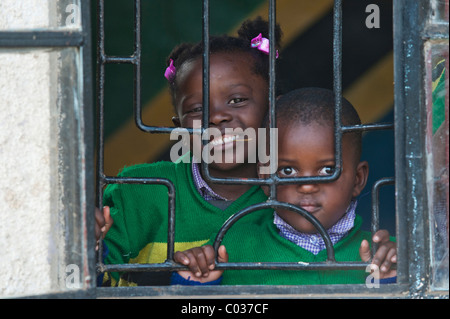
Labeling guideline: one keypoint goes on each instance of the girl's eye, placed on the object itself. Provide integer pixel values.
(286, 171)
(327, 170)
(237, 100)
(195, 110)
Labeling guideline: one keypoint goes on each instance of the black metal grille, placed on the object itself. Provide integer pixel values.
(273, 181)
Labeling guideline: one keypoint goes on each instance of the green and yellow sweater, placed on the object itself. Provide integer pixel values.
(140, 213)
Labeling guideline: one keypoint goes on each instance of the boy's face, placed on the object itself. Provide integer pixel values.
(308, 150)
(238, 98)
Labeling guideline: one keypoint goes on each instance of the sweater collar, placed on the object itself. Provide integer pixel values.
(314, 242)
(202, 187)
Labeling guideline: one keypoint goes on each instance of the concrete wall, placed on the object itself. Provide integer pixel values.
(25, 190)
(35, 213)
(21, 15)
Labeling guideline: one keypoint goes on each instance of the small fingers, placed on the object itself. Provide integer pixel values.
(381, 236)
(208, 250)
(223, 255)
(380, 255)
(391, 258)
(108, 220)
(181, 258)
(193, 262)
(385, 256)
(364, 251)
(103, 222)
(200, 260)
(99, 223)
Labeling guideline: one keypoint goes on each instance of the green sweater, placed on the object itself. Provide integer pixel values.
(247, 242)
(140, 213)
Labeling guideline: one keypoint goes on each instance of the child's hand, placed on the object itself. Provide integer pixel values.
(201, 262)
(103, 223)
(385, 256)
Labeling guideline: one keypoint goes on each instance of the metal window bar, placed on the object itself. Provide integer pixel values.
(273, 181)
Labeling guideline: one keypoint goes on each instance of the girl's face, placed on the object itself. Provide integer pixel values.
(238, 99)
(308, 150)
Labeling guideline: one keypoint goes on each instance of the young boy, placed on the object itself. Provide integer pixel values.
(305, 120)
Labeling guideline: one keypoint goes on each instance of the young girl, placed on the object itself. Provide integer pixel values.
(238, 95)
(238, 99)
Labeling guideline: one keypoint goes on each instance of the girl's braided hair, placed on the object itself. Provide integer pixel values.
(225, 43)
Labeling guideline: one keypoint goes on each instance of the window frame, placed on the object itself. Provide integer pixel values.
(412, 234)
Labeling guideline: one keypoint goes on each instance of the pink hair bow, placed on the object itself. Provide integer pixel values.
(262, 44)
(170, 72)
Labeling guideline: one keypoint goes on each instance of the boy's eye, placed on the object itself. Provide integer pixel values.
(286, 172)
(327, 170)
(237, 100)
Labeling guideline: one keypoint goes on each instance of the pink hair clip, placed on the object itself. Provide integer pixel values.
(262, 44)
(170, 72)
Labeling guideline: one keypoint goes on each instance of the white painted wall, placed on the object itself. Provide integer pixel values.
(24, 14)
(32, 234)
(25, 169)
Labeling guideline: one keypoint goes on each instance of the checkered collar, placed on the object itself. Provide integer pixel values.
(203, 188)
(314, 242)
